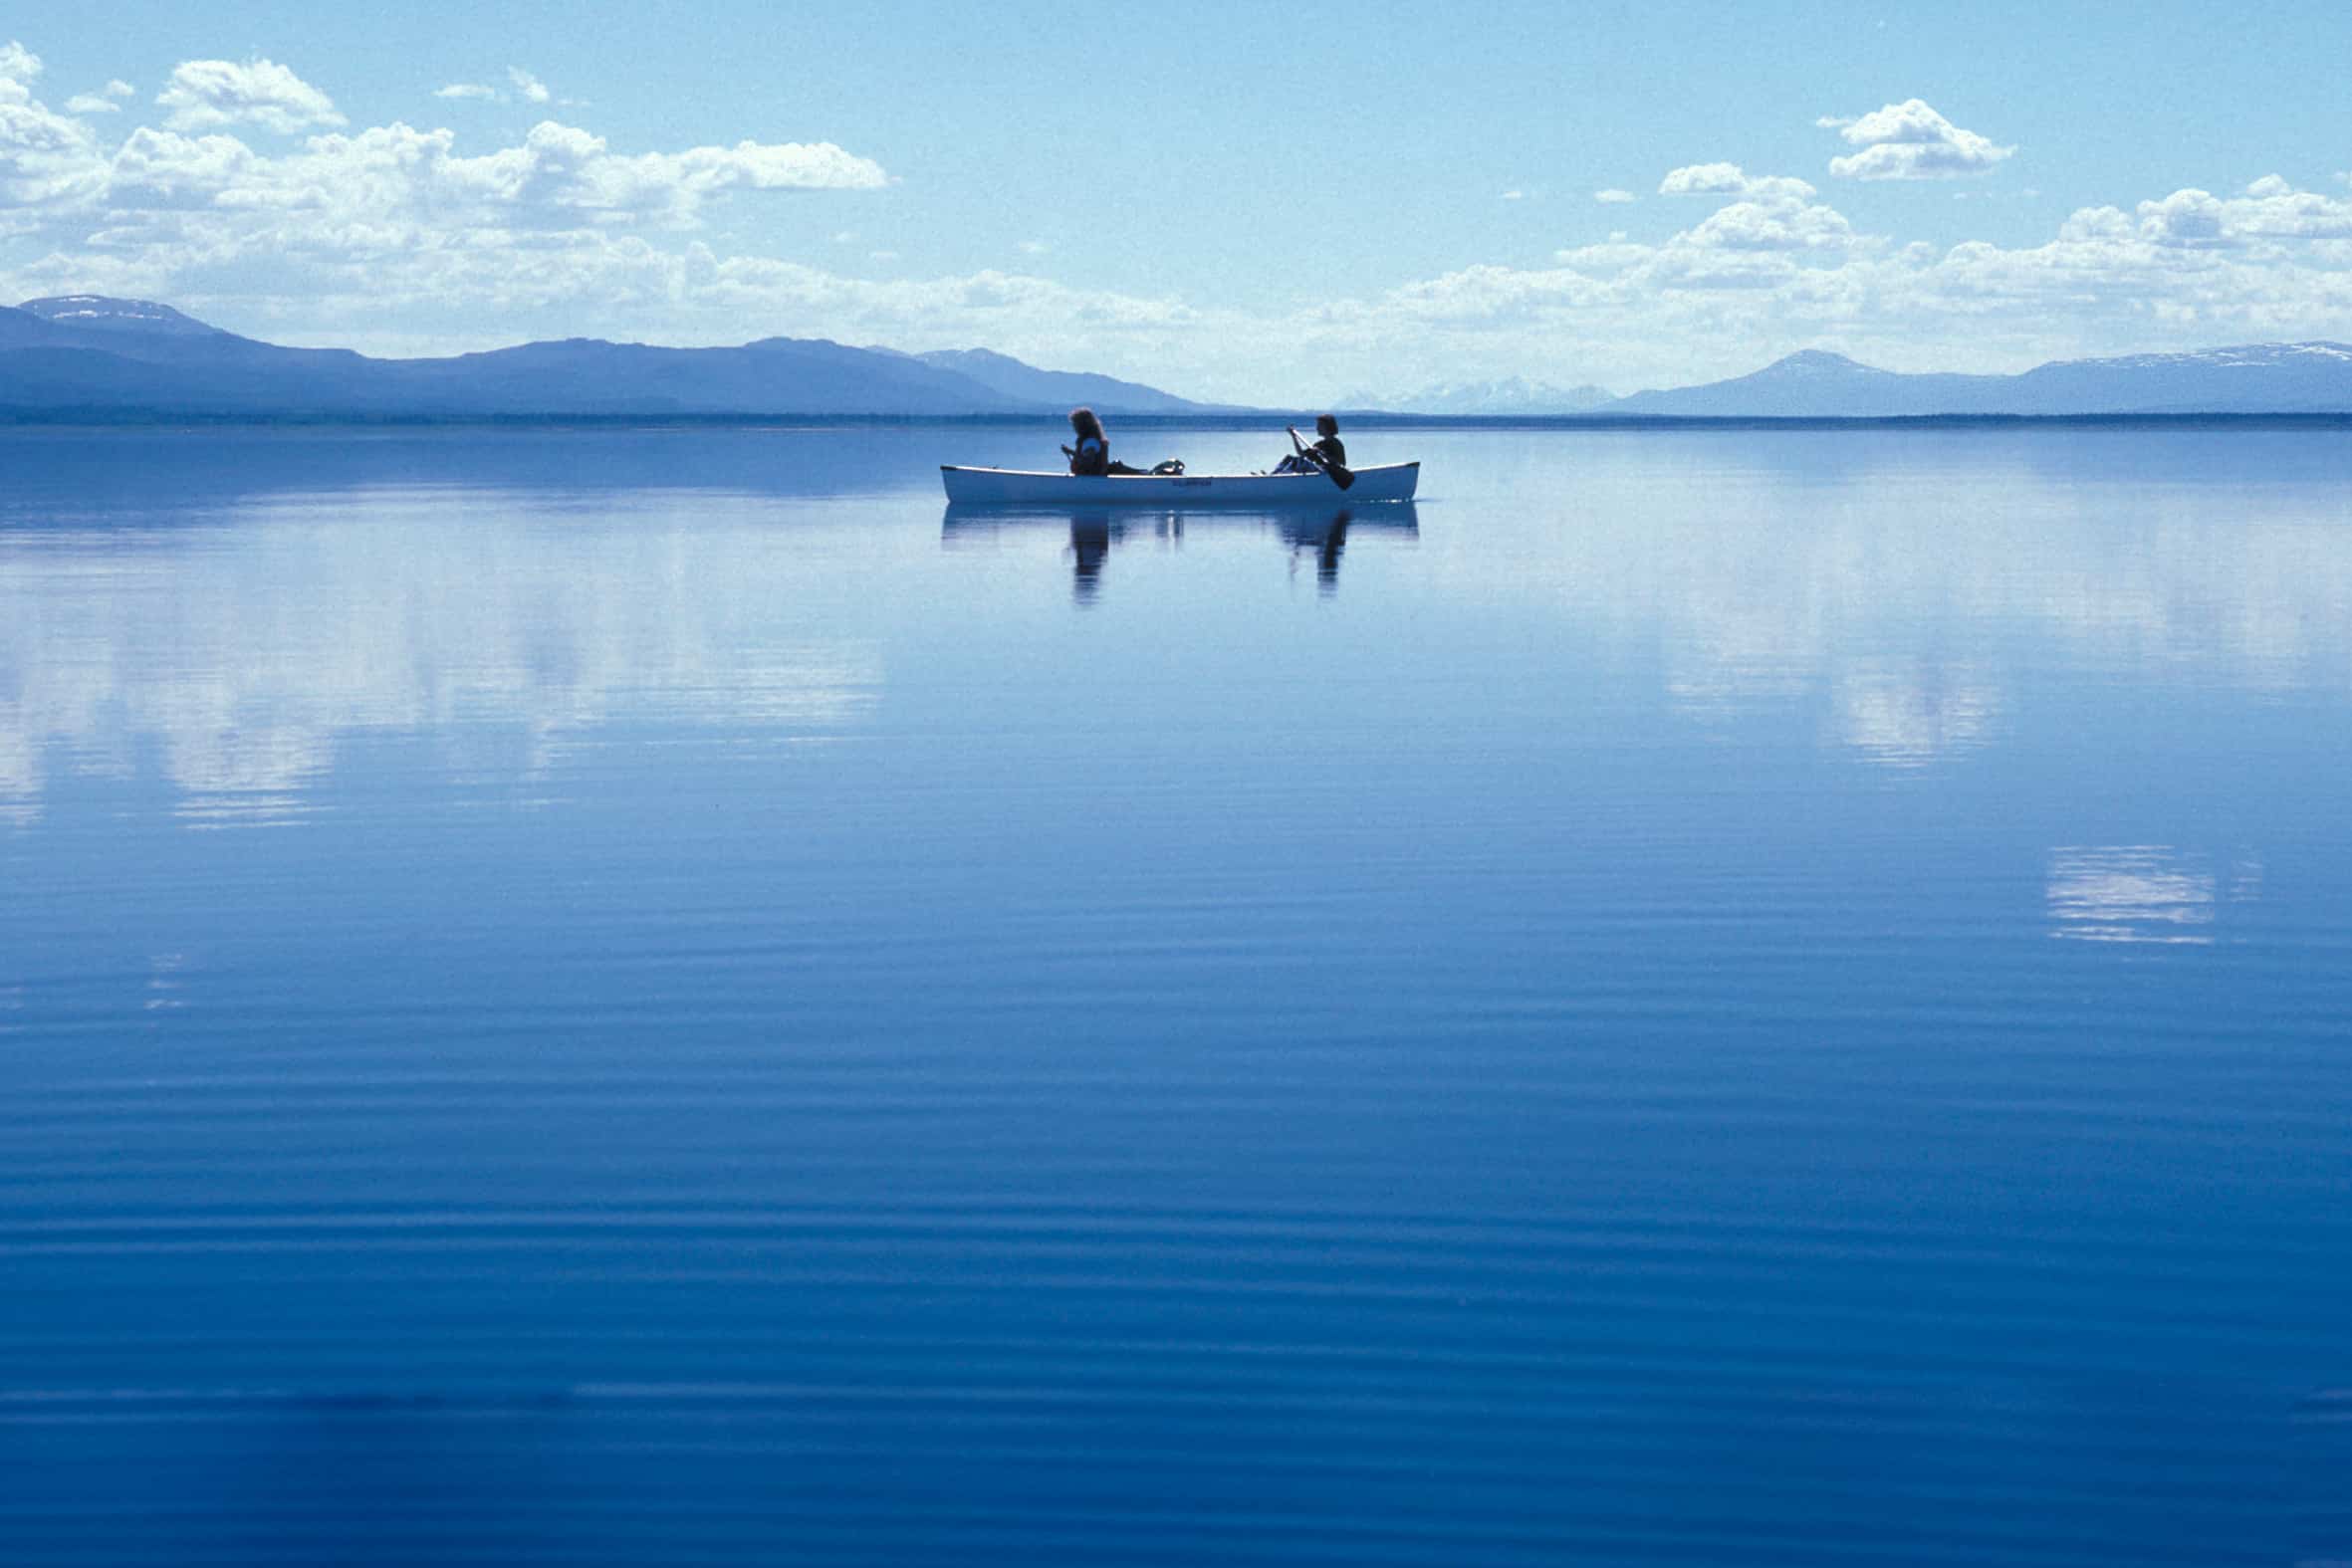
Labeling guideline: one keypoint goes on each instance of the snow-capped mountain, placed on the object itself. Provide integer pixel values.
(98, 312)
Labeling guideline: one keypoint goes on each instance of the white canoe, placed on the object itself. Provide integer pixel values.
(997, 487)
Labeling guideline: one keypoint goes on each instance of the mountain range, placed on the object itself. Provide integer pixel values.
(2257, 378)
(86, 356)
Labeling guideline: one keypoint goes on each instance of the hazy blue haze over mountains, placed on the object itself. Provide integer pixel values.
(83, 356)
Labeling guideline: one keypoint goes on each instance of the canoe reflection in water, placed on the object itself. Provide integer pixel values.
(1096, 531)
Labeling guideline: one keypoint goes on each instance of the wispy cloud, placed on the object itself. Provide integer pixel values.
(522, 86)
(1614, 195)
(107, 101)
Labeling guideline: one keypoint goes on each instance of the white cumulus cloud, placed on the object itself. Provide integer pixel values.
(162, 168)
(1728, 179)
(1614, 195)
(390, 238)
(1770, 212)
(1756, 279)
(2185, 217)
(528, 86)
(1784, 225)
(203, 94)
(1910, 140)
(2270, 212)
(46, 158)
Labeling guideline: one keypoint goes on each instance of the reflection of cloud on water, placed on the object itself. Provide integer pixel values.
(2143, 893)
(1902, 599)
(240, 662)
(20, 772)
(1736, 660)
(2259, 601)
(1743, 656)
(1909, 716)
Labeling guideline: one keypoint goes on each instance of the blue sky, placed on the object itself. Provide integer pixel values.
(1232, 200)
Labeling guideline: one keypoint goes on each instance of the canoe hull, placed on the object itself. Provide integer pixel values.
(1008, 487)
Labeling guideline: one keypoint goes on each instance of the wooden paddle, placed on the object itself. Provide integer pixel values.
(1339, 475)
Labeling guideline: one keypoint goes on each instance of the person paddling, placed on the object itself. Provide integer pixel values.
(1323, 455)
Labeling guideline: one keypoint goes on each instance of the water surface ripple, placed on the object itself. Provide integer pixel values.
(1700, 997)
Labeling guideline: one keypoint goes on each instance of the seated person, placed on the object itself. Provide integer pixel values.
(1092, 456)
(1326, 447)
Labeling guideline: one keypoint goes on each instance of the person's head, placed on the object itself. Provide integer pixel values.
(1082, 420)
(1325, 425)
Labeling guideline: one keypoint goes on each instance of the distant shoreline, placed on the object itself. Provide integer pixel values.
(144, 419)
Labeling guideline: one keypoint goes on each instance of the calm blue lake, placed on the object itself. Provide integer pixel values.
(1698, 996)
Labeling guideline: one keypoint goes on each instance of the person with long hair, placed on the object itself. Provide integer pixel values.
(1092, 456)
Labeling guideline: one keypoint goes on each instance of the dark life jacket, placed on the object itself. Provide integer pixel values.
(1091, 457)
(1331, 450)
